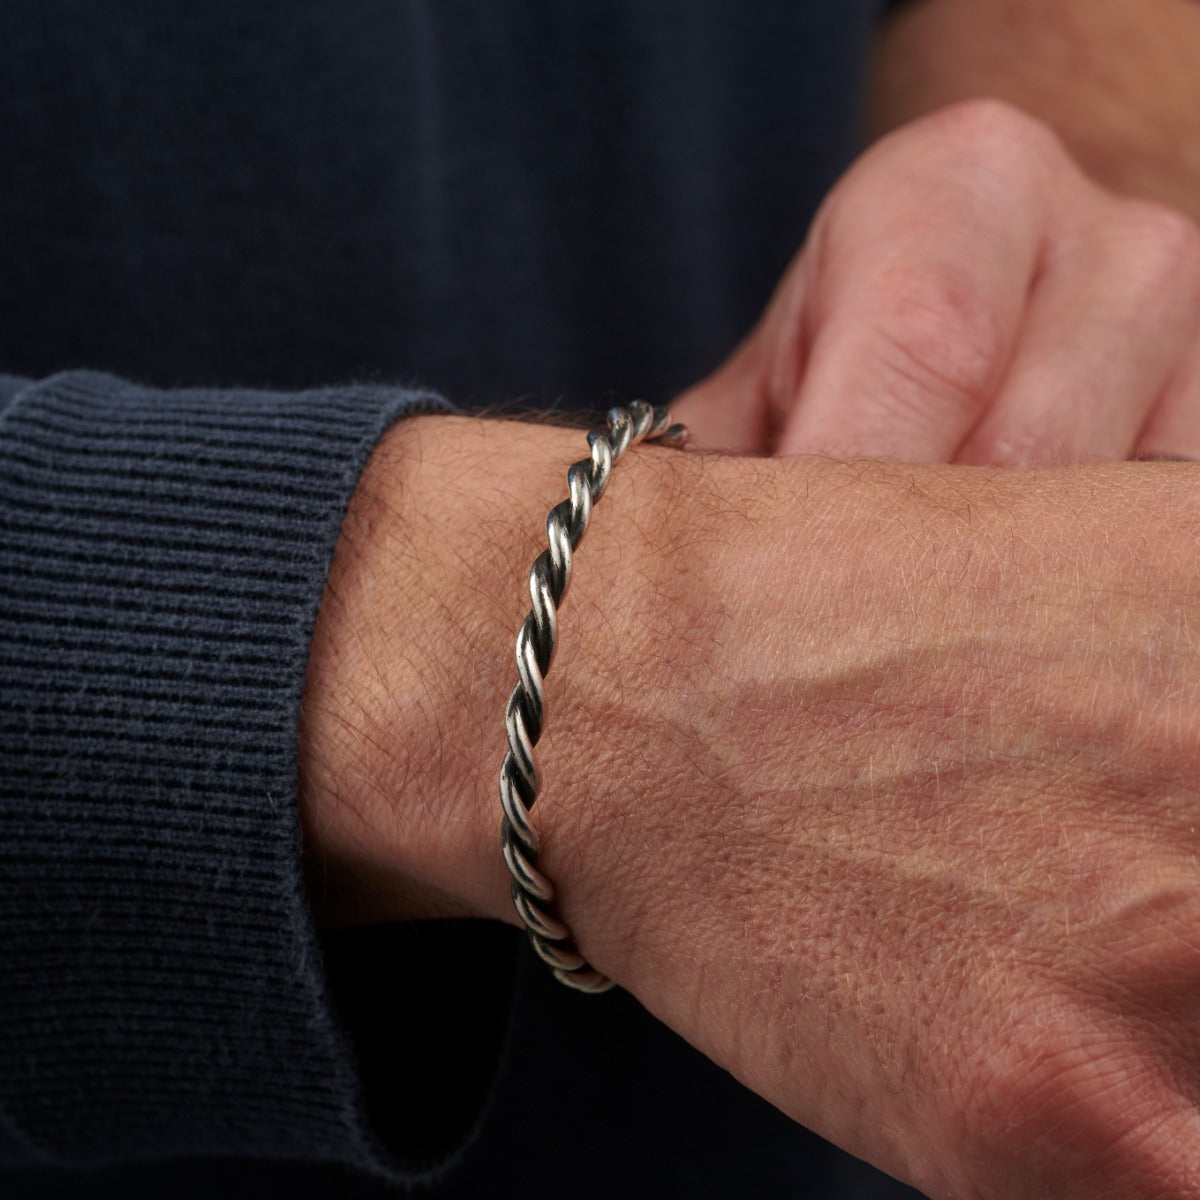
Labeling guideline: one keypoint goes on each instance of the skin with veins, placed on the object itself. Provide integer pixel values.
(876, 782)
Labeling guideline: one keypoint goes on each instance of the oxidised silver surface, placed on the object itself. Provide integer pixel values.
(532, 892)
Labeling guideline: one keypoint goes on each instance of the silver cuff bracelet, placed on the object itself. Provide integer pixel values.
(532, 892)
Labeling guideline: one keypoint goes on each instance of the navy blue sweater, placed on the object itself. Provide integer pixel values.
(236, 242)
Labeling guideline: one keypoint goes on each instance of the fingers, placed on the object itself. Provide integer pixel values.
(966, 293)
(927, 252)
(972, 296)
(1108, 324)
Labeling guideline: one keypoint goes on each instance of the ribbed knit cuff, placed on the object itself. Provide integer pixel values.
(162, 556)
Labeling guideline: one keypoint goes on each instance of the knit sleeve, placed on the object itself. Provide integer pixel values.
(163, 992)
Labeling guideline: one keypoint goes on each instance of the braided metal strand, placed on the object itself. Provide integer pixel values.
(532, 892)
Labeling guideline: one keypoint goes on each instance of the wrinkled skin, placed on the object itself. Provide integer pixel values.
(889, 806)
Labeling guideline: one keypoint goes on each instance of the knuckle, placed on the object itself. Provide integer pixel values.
(1001, 157)
(994, 130)
(939, 333)
(1152, 257)
(1169, 226)
(1167, 239)
(1019, 446)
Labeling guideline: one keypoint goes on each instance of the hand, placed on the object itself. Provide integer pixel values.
(877, 783)
(966, 294)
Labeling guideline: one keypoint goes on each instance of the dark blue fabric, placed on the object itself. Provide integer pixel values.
(517, 199)
(513, 203)
(162, 556)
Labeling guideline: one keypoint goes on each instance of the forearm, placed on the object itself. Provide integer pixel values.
(859, 775)
(1116, 78)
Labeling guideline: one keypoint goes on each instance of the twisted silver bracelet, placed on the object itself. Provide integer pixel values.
(532, 892)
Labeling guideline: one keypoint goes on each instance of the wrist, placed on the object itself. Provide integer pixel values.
(402, 732)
